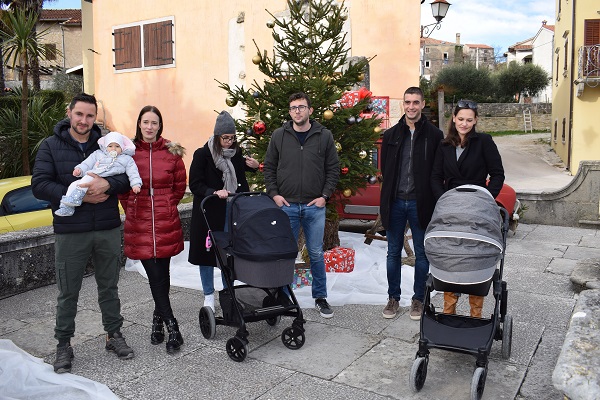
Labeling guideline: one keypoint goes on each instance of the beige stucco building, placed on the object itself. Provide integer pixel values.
(62, 39)
(194, 43)
(576, 80)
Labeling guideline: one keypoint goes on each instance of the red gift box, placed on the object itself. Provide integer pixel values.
(339, 259)
(302, 275)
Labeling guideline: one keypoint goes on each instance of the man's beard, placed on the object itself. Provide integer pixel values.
(74, 127)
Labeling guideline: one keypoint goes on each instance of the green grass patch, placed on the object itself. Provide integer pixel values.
(507, 133)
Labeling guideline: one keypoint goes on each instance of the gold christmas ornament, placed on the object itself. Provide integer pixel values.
(270, 24)
(328, 114)
(257, 59)
(231, 102)
(338, 146)
(344, 17)
(347, 192)
(362, 154)
(328, 80)
(361, 76)
(377, 129)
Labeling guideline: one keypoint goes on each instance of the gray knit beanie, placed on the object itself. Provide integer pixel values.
(224, 124)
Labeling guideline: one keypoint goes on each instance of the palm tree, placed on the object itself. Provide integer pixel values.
(20, 45)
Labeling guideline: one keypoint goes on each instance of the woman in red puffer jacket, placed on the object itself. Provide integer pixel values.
(153, 231)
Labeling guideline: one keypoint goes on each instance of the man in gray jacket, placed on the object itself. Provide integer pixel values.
(301, 172)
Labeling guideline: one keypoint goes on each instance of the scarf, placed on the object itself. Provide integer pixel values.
(223, 164)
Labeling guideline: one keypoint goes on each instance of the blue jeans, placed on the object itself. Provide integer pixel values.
(402, 211)
(207, 274)
(312, 220)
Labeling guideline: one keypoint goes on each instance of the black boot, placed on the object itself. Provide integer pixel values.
(158, 330)
(175, 339)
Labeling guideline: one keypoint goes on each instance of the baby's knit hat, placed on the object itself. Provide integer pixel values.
(114, 137)
(224, 124)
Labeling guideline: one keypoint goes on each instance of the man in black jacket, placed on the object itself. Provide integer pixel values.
(94, 230)
(407, 155)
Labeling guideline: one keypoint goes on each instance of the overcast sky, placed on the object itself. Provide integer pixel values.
(492, 22)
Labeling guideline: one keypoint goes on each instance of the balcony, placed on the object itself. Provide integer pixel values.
(589, 67)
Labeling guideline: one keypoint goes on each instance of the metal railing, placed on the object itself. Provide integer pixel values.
(589, 62)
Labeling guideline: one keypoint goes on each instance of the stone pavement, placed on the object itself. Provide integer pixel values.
(355, 355)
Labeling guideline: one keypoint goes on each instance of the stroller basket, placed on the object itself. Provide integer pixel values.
(463, 241)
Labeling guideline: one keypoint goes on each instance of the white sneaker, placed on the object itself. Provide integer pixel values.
(209, 301)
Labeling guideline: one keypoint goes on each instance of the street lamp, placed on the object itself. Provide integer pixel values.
(439, 8)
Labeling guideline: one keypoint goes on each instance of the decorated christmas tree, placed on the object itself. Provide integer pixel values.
(310, 55)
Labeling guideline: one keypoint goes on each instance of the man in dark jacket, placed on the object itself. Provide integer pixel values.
(94, 230)
(301, 172)
(407, 155)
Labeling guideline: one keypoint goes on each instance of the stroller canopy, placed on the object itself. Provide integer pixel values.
(463, 241)
(259, 230)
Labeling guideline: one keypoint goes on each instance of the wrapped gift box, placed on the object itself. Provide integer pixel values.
(339, 259)
(302, 275)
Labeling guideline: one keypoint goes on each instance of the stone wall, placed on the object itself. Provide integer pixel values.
(494, 117)
(27, 257)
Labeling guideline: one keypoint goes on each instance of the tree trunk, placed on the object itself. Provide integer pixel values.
(24, 122)
(35, 73)
(331, 238)
(2, 77)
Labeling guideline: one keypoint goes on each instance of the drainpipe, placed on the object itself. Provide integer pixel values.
(572, 88)
(64, 56)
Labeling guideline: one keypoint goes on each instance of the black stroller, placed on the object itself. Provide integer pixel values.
(465, 245)
(259, 250)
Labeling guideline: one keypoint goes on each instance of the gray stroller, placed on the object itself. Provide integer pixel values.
(465, 244)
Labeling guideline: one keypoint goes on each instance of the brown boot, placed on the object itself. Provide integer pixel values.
(450, 300)
(476, 303)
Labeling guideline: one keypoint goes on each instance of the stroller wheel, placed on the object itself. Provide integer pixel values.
(207, 321)
(507, 337)
(237, 349)
(418, 373)
(478, 383)
(293, 338)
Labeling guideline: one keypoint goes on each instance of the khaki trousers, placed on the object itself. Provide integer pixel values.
(450, 300)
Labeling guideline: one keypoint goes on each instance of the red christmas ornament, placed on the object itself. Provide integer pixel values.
(261, 167)
(259, 127)
(345, 170)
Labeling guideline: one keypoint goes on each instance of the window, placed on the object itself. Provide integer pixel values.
(427, 50)
(557, 64)
(21, 200)
(147, 45)
(591, 41)
(50, 49)
(427, 64)
(564, 130)
(555, 130)
(566, 53)
(445, 56)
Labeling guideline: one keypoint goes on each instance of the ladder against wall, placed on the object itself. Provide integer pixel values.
(527, 124)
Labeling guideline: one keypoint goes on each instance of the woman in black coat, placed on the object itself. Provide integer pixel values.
(466, 157)
(217, 168)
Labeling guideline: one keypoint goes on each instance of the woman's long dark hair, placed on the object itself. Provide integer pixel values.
(138, 131)
(453, 138)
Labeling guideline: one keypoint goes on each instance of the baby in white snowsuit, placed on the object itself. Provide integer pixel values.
(113, 158)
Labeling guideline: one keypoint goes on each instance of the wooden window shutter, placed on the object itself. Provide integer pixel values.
(158, 43)
(591, 32)
(128, 52)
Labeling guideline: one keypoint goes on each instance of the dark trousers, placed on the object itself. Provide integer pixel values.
(72, 252)
(157, 270)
